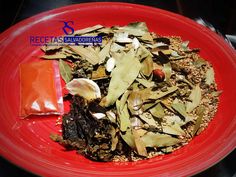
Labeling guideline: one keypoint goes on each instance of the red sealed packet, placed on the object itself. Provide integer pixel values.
(40, 89)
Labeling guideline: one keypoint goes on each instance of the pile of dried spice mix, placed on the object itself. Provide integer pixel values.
(135, 96)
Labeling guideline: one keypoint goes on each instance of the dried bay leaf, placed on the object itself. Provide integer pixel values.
(151, 139)
(135, 102)
(170, 120)
(160, 94)
(136, 29)
(88, 54)
(54, 56)
(149, 105)
(104, 52)
(200, 112)
(157, 111)
(122, 38)
(146, 83)
(180, 108)
(65, 71)
(184, 45)
(116, 47)
(124, 99)
(122, 76)
(167, 70)
(114, 138)
(147, 66)
(87, 30)
(147, 37)
(174, 129)
(199, 62)
(143, 52)
(123, 116)
(128, 138)
(216, 93)
(210, 76)
(140, 146)
(105, 30)
(195, 97)
(147, 117)
(51, 47)
(100, 73)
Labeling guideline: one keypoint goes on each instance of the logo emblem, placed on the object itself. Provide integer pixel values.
(68, 30)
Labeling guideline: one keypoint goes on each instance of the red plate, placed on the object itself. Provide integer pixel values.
(26, 142)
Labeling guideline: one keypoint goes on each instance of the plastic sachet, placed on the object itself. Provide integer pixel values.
(40, 89)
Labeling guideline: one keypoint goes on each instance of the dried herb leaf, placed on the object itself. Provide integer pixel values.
(100, 73)
(195, 97)
(174, 129)
(54, 56)
(143, 52)
(116, 47)
(147, 38)
(136, 29)
(135, 102)
(184, 45)
(122, 77)
(124, 99)
(210, 76)
(151, 139)
(167, 70)
(122, 38)
(104, 52)
(140, 146)
(170, 120)
(87, 53)
(147, 117)
(160, 94)
(147, 66)
(114, 138)
(148, 105)
(50, 47)
(87, 30)
(157, 111)
(146, 83)
(180, 108)
(216, 93)
(65, 71)
(199, 62)
(123, 116)
(200, 112)
(128, 138)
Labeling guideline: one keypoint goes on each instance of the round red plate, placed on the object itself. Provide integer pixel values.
(26, 142)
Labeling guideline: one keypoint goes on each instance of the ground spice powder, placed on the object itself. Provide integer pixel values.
(40, 89)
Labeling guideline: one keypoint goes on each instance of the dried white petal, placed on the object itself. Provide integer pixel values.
(85, 88)
(160, 44)
(111, 62)
(135, 43)
(123, 38)
(99, 115)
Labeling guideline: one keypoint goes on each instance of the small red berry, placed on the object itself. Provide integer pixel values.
(159, 75)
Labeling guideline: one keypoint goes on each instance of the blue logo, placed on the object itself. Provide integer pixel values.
(66, 27)
(68, 39)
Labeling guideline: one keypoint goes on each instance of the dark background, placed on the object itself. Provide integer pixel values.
(220, 13)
